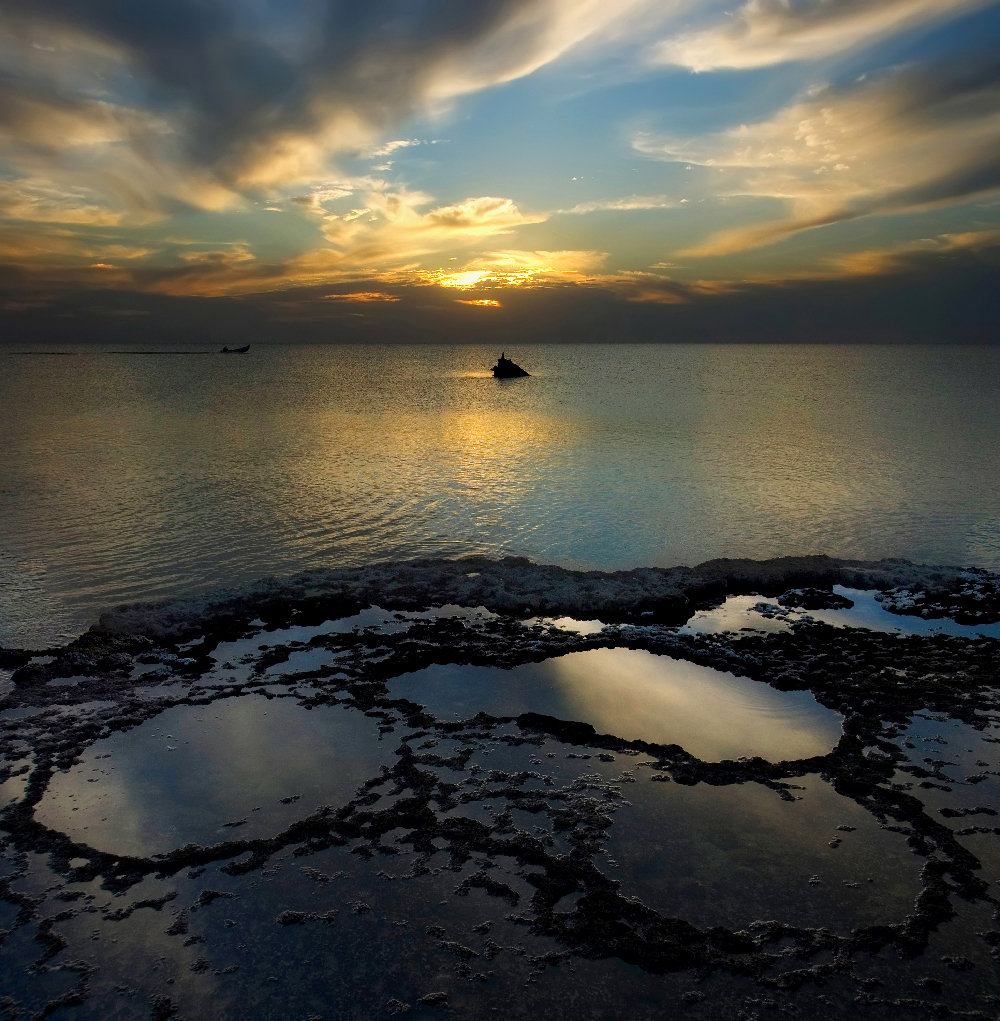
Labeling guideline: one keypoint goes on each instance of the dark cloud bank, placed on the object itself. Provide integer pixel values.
(245, 78)
(924, 297)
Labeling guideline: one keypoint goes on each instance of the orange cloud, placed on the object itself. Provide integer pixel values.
(363, 296)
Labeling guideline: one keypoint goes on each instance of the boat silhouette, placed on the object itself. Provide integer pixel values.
(235, 350)
(506, 369)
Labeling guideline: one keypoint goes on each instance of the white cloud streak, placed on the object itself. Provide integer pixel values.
(622, 204)
(905, 142)
(766, 32)
(265, 110)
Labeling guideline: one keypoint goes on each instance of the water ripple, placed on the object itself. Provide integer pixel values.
(131, 478)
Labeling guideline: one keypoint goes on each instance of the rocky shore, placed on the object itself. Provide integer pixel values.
(471, 871)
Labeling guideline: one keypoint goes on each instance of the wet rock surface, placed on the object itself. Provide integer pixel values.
(974, 599)
(478, 869)
(814, 599)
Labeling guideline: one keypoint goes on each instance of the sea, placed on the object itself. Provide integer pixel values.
(137, 475)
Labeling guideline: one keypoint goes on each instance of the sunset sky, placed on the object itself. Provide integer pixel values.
(471, 169)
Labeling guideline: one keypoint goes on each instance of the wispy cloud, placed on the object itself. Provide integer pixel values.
(900, 257)
(529, 34)
(365, 297)
(524, 284)
(225, 258)
(397, 226)
(764, 32)
(907, 141)
(388, 148)
(497, 270)
(251, 105)
(516, 267)
(118, 116)
(631, 202)
(33, 245)
(76, 159)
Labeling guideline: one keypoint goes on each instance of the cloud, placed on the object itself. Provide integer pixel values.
(260, 97)
(510, 268)
(528, 35)
(30, 244)
(519, 268)
(61, 259)
(329, 191)
(479, 216)
(76, 159)
(395, 227)
(362, 296)
(631, 202)
(45, 201)
(119, 115)
(216, 274)
(910, 140)
(765, 32)
(901, 257)
(219, 259)
(388, 148)
(940, 289)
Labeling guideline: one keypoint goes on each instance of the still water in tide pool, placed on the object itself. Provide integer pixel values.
(238, 768)
(635, 695)
(129, 477)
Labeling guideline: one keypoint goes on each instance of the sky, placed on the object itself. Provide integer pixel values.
(440, 170)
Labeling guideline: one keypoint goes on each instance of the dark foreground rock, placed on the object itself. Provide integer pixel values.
(474, 870)
(518, 586)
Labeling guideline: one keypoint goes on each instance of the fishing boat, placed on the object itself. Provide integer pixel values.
(235, 350)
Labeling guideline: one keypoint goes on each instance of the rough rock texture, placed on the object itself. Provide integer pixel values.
(518, 843)
(972, 598)
(515, 585)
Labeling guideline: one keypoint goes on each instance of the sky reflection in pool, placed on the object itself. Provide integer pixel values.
(740, 612)
(182, 775)
(868, 612)
(727, 855)
(633, 694)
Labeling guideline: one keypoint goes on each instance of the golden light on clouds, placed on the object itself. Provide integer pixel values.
(300, 152)
(516, 268)
(362, 296)
(901, 142)
(469, 278)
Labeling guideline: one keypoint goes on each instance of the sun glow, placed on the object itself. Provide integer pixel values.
(468, 278)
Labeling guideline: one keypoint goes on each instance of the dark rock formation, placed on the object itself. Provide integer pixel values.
(506, 369)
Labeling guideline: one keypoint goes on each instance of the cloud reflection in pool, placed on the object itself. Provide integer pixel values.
(205, 774)
(634, 694)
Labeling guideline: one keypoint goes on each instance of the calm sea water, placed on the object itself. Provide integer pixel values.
(128, 476)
